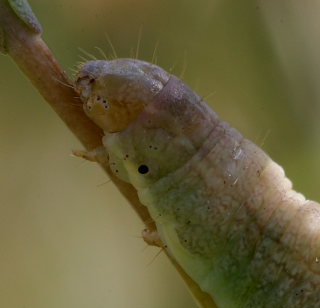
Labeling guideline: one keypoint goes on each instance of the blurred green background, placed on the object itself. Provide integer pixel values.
(68, 238)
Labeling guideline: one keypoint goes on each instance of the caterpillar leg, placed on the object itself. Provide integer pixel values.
(96, 155)
(152, 238)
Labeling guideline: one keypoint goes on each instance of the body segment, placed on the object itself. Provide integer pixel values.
(224, 210)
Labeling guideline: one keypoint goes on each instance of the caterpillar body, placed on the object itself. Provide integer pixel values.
(223, 209)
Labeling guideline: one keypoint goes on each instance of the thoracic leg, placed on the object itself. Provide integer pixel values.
(96, 155)
(152, 238)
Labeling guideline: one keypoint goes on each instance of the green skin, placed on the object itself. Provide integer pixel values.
(224, 210)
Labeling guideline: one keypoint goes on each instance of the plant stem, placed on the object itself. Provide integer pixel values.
(20, 37)
(36, 61)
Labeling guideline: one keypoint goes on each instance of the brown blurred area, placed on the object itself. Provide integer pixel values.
(68, 238)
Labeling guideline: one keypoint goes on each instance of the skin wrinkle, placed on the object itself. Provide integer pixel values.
(285, 252)
(193, 160)
(278, 241)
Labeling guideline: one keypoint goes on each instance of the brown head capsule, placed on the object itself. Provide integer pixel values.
(115, 92)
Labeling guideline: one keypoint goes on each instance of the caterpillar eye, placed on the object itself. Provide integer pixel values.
(143, 169)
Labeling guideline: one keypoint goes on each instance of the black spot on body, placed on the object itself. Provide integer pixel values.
(143, 169)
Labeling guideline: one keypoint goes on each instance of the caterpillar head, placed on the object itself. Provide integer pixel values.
(154, 123)
(115, 92)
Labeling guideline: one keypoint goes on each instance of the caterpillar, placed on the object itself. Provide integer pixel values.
(224, 210)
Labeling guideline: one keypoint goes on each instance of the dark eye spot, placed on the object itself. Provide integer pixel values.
(92, 80)
(143, 169)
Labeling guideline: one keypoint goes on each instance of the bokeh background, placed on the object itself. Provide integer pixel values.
(67, 236)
